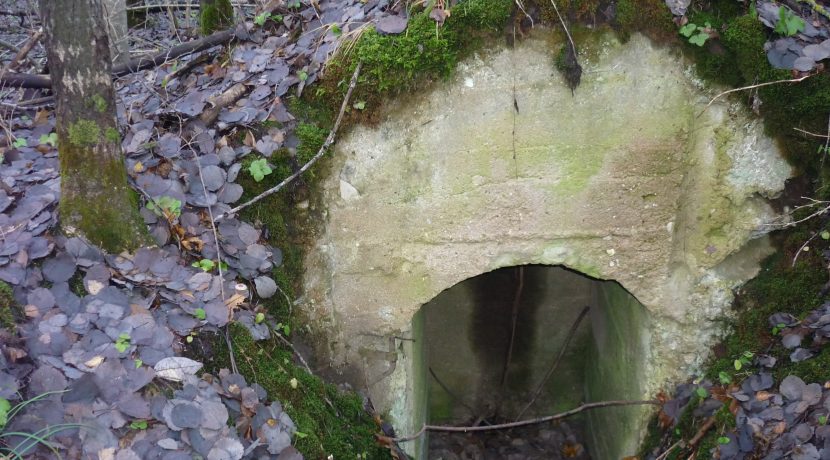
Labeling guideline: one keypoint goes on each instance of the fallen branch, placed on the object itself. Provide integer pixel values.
(21, 80)
(25, 50)
(743, 88)
(219, 102)
(320, 153)
(562, 350)
(535, 421)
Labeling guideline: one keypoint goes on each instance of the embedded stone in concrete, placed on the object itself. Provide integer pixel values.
(627, 180)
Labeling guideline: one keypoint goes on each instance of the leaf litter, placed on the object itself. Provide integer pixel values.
(100, 349)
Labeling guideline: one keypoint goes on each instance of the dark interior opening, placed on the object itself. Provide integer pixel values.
(492, 347)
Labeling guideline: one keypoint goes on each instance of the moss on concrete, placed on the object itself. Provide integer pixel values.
(425, 52)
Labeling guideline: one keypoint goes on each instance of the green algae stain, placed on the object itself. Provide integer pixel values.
(99, 103)
(84, 133)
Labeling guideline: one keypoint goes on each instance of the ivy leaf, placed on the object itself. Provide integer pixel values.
(200, 313)
(259, 169)
(788, 23)
(688, 29)
(701, 392)
(699, 39)
(20, 142)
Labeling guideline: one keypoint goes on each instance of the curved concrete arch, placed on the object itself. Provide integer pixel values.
(627, 180)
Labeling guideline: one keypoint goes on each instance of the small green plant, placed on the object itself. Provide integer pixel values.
(283, 329)
(359, 105)
(138, 363)
(205, 264)
(336, 30)
(303, 75)
(51, 139)
(701, 392)
(122, 342)
(724, 440)
(293, 4)
(788, 24)
(724, 378)
(259, 169)
(744, 360)
(20, 142)
(139, 425)
(260, 317)
(166, 206)
(200, 313)
(778, 327)
(822, 420)
(262, 18)
(696, 34)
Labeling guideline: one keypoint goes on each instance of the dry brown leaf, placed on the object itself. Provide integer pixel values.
(763, 395)
(31, 311)
(16, 354)
(250, 140)
(234, 301)
(41, 117)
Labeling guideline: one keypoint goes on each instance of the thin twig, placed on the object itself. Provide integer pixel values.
(219, 266)
(320, 153)
(24, 50)
(535, 421)
(517, 297)
(9, 46)
(823, 136)
(567, 32)
(743, 88)
(562, 351)
(665, 454)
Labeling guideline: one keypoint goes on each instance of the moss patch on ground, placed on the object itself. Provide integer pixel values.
(9, 310)
(330, 422)
(425, 52)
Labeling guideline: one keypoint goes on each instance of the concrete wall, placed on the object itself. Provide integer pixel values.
(627, 180)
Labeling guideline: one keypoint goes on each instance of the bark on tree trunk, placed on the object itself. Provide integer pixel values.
(96, 200)
(215, 15)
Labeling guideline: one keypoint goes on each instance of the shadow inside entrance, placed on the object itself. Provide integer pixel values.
(516, 343)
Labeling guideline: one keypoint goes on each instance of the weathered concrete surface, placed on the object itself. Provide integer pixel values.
(623, 181)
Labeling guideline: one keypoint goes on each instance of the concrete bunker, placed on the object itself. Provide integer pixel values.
(484, 364)
(628, 180)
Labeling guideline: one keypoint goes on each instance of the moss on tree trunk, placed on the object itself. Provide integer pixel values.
(95, 197)
(215, 15)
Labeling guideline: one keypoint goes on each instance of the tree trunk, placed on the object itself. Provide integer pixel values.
(96, 200)
(215, 15)
(115, 15)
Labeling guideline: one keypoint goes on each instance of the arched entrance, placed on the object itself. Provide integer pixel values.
(491, 354)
